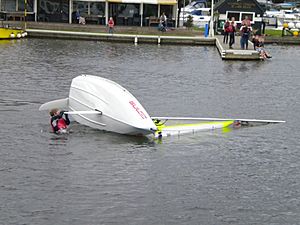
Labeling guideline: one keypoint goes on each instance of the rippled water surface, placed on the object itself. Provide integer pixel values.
(244, 176)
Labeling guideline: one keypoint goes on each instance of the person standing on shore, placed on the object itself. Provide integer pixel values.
(163, 22)
(226, 31)
(231, 31)
(80, 19)
(111, 25)
(246, 21)
(245, 34)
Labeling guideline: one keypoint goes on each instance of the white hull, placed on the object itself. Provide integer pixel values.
(105, 122)
(120, 111)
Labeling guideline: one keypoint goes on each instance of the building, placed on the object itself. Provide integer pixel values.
(124, 12)
(239, 9)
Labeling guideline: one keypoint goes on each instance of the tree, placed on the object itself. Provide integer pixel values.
(189, 22)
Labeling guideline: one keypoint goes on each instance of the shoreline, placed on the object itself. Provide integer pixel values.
(126, 33)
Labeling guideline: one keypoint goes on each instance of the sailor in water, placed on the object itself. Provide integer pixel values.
(59, 121)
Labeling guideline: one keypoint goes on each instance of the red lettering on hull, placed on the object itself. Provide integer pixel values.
(137, 109)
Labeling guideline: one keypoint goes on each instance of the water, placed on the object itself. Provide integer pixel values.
(246, 176)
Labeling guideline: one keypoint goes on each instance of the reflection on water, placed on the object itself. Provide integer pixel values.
(239, 176)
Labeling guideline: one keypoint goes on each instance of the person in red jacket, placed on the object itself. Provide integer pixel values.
(226, 31)
(111, 25)
(59, 121)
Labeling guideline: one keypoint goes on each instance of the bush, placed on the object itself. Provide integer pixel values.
(189, 22)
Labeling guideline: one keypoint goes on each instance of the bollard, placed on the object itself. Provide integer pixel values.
(158, 40)
(135, 40)
(206, 30)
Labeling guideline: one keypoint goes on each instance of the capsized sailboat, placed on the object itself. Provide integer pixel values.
(105, 105)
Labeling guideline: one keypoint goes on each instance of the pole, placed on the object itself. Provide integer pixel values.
(176, 15)
(70, 11)
(211, 25)
(25, 14)
(183, 13)
(35, 10)
(142, 12)
(106, 12)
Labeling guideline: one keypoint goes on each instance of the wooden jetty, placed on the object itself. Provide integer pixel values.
(236, 53)
(135, 38)
(98, 34)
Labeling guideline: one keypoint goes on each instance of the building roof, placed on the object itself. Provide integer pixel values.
(155, 2)
(221, 3)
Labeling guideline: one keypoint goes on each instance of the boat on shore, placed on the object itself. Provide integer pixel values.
(12, 33)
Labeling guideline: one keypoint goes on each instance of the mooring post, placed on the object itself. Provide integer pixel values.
(135, 40)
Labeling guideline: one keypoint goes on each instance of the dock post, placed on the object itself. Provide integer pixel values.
(135, 40)
(206, 30)
(158, 40)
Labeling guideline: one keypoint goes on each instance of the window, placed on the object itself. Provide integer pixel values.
(150, 10)
(250, 16)
(53, 10)
(82, 7)
(236, 15)
(21, 5)
(239, 16)
(167, 9)
(7, 5)
(199, 5)
(16, 5)
(128, 10)
(97, 8)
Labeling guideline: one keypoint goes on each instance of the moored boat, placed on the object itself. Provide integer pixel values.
(11, 33)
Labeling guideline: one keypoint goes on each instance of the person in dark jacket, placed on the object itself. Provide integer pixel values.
(245, 34)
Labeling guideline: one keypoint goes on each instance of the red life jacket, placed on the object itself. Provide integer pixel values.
(111, 23)
(226, 27)
(230, 28)
(61, 124)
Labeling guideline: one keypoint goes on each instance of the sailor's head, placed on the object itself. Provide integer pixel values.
(54, 112)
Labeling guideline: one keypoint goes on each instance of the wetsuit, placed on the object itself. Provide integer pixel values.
(59, 122)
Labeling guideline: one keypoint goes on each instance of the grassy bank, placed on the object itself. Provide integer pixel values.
(273, 33)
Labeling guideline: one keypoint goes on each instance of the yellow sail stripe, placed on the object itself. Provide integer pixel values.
(161, 127)
(224, 123)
